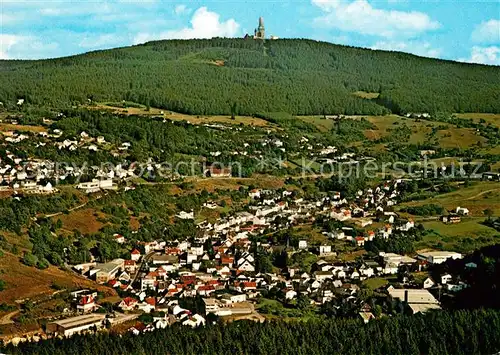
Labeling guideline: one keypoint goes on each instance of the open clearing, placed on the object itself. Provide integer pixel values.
(451, 137)
(448, 136)
(83, 220)
(211, 184)
(477, 197)
(469, 234)
(366, 95)
(7, 127)
(174, 116)
(469, 227)
(29, 282)
(493, 118)
(466, 236)
(459, 138)
(322, 124)
(375, 283)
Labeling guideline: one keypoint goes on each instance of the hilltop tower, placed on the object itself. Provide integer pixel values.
(260, 32)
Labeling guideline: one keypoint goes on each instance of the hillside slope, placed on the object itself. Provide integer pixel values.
(297, 76)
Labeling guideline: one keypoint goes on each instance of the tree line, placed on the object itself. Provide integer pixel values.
(445, 332)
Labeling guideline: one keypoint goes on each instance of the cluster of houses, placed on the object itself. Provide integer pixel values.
(31, 175)
(230, 286)
(455, 216)
(219, 264)
(327, 153)
(25, 175)
(20, 173)
(229, 293)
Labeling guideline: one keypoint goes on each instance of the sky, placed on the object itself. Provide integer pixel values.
(462, 30)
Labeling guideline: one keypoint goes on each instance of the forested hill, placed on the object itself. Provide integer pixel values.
(214, 76)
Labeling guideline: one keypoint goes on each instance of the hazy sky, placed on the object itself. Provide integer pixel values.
(452, 29)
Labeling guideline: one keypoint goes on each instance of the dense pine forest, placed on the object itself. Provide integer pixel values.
(246, 77)
(459, 332)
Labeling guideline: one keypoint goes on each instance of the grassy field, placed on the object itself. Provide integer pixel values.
(451, 137)
(459, 138)
(366, 95)
(21, 241)
(375, 283)
(210, 184)
(350, 254)
(493, 118)
(306, 164)
(311, 234)
(28, 282)
(200, 119)
(470, 234)
(272, 309)
(469, 227)
(7, 127)
(449, 160)
(477, 197)
(466, 236)
(494, 150)
(84, 220)
(320, 122)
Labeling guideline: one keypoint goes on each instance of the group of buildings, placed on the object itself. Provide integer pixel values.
(219, 263)
(33, 175)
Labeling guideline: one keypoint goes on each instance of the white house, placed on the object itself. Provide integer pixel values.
(355, 275)
(323, 275)
(253, 194)
(325, 249)
(390, 269)
(86, 304)
(462, 211)
(135, 255)
(446, 278)
(438, 257)
(246, 266)
(367, 271)
(337, 235)
(238, 298)
(194, 321)
(428, 283)
(290, 294)
(185, 215)
(119, 238)
(456, 287)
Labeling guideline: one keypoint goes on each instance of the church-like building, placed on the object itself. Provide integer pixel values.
(260, 32)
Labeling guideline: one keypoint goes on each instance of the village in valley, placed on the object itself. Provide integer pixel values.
(218, 245)
(220, 266)
(176, 178)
